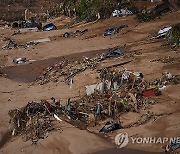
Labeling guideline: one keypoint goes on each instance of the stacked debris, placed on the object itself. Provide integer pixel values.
(32, 121)
(119, 92)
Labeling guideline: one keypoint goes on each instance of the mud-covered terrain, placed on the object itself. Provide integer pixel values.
(17, 88)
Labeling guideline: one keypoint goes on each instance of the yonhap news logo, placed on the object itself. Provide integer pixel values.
(122, 140)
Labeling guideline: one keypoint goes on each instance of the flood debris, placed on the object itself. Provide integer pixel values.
(32, 121)
(121, 12)
(171, 33)
(110, 126)
(112, 53)
(75, 34)
(20, 60)
(167, 59)
(11, 44)
(167, 78)
(163, 32)
(90, 89)
(30, 23)
(49, 27)
(172, 148)
(68, 69)
(114, 30)
(118, 92)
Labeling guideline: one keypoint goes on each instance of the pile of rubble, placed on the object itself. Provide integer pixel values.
(32, 121)
(118, 92)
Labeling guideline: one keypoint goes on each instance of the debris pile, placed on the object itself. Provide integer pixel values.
(120, 92)
(30, 23)
(32, 121)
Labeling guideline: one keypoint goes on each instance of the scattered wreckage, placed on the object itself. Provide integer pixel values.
(171, 33)
(114, 30)
(20, 60)
(68, 69)
(119, 92)
(121, 12)
(11, 44)
(75, 34)
(30, 23)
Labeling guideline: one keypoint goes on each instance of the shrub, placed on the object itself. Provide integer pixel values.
(174, 35)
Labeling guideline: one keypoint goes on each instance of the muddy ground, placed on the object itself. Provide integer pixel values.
(16, 88)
